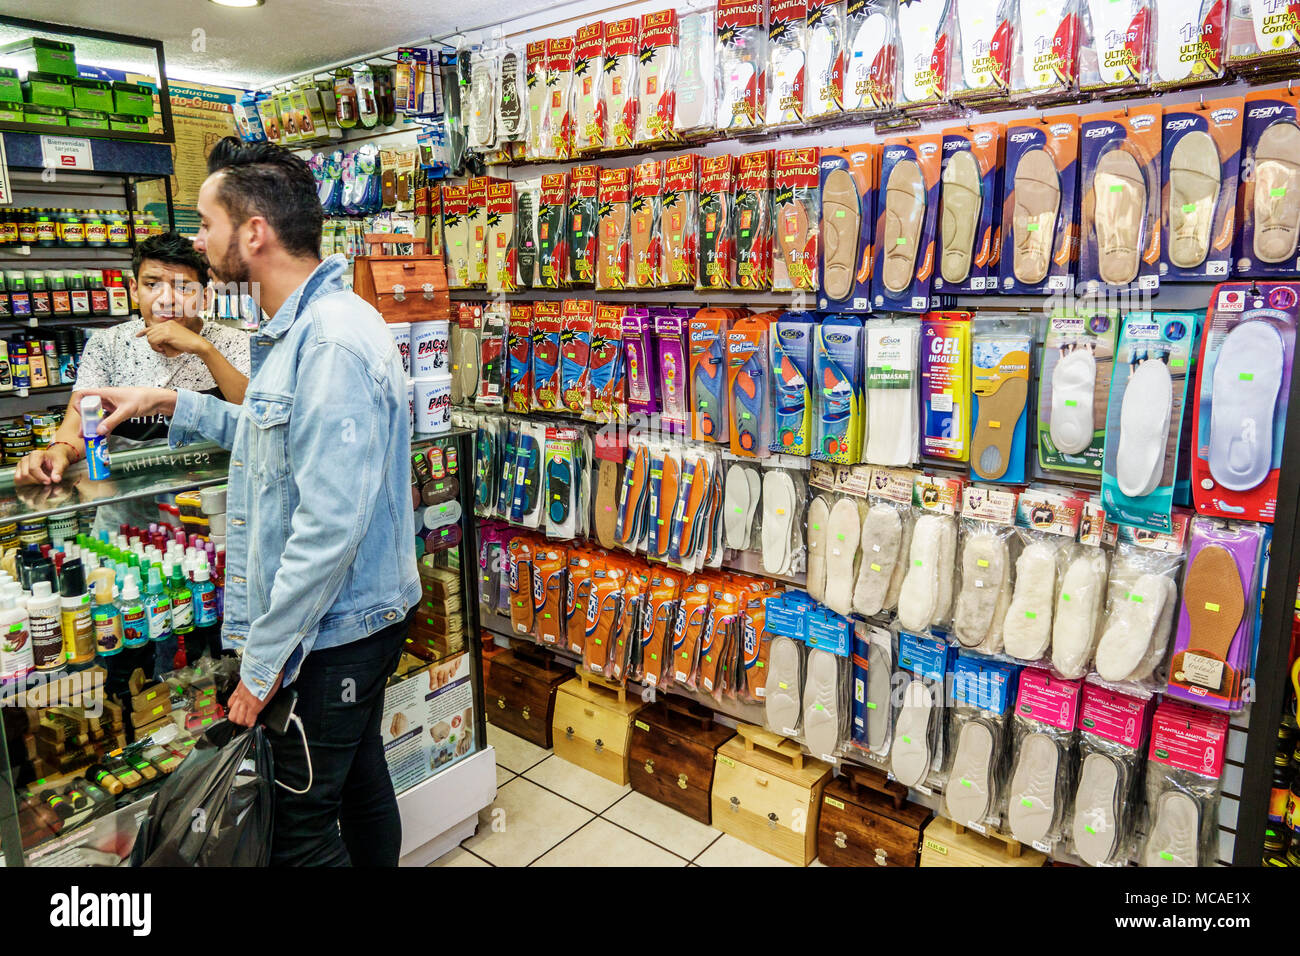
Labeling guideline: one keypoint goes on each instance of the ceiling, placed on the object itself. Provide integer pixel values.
(251, 47)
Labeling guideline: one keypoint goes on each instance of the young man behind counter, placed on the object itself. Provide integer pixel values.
(170, 345)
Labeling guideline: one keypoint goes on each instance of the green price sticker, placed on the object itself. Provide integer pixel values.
(1246, 376)
(1026, 802)
(1031, 227)
(1177, 363)
(1031, 615)
(900, 241)
(871, 705)
(1277, 192)
(1071, 403)
(1117, 188)
(1189, 207)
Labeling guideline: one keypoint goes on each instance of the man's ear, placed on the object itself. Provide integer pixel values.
(256, 234)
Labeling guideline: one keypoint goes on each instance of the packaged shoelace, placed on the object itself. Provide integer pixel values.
(1041, 769)
(1183, 785)
(979, 731)
(1102, 819)
(742, 58)
(989, 546)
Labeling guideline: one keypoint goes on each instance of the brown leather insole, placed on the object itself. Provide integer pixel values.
(841, 227)
(1214, 602)
(904, 215)
(607, 475)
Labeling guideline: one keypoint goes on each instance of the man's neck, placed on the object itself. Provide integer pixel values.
(281, 279)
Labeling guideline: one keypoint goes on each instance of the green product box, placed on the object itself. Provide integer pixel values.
(43, 56)
(11, 113)
(88, 119)
(48, 89)
(92, 95)
(128, 124)
(133, 99)
(11, 91)
(44, 115)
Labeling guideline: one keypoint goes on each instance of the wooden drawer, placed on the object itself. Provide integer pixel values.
(860, 827)
(519, 695)
(671, 757)
(942, 845)
(591, 728)
(767, 793)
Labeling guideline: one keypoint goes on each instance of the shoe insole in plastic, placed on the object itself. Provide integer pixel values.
(792, 225)
(984, 560)
(879, 686)
(819, 514)
(1144, 429)
(867, 45)
(1120, 195)
(1033, 218)
(783, 690)
(1094, 830)
(1175, 831)
(905, 202)
(1276, 211)
(841, 228)
(1073, 382)
(559, 490)
(778, 515)
(967, 793)
(607, 503)
(881, 542)
(910, 751)
(960, 215)
(1078, 609)
(1214, 603)
(995, 428)
(821, 711)
(844, 526)
(918, 599)
(1195, 179)
(1247, 378)
(1027, 631)
(1031, 810)
(785, 86)
(1131, 627)
(738, 508)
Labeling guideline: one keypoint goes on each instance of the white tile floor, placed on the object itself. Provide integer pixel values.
(549, 812)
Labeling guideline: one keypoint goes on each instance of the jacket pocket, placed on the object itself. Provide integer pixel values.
(269, 436)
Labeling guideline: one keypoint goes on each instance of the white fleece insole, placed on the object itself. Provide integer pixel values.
(1073, 381)
(778, 515)
(947, 571)
(878, 689)
(842, 535)
(1027, 631)
(819, 517)
(755, 502)
(1174, 832)
(1032, 807)
(1247, 377)
(782, 709)
(966, 796)
(910, 752)
(1131, 627)
(738, 509)
(1094, 830)
(1078, 608)
(900, 566)
(881, 540)
(918, 600)
(1144, 429)
(1160, 638)
(821, 697)
(984, 560)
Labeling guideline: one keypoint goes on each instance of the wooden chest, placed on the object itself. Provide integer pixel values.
(519, 694)
(861, 826)
(944, 844)
(671, 756)
(592, 724)
(768, 793)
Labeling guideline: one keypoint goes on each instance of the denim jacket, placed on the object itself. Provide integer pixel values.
(320, 531)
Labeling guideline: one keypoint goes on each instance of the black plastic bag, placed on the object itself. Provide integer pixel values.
(217, 808)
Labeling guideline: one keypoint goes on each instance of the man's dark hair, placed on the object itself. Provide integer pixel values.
(269, 181)
(173, 249)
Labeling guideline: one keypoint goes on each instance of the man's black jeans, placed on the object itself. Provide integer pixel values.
(349, 816)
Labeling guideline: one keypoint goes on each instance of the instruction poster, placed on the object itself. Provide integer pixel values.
(428, 720)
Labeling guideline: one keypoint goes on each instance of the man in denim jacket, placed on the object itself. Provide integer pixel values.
(321, 569)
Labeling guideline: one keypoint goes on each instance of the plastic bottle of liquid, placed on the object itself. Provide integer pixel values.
(135, 617)
(92, 413)
(159, 607)
(43, 619)
(74, 612)
(16, 659)
(106, 616)
(182, 602)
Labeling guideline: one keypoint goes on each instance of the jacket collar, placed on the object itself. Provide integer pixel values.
(326, 278)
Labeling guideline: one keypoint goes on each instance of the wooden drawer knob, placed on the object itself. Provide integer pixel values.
(735, 804)
(841, 839)
(568, 733)
(772, 821)
(681, 780)
(501, 702)
(649, 766)
(600, 745)
(526, 713)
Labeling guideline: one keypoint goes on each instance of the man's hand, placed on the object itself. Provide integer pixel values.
(171, 338)
(44, 466)
(244, 706)
(126, 403)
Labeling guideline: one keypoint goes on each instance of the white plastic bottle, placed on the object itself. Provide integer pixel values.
(16, 659)
(45, 627)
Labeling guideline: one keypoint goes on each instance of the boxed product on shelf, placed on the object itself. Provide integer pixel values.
(45, 115)
(49, 89)
(133, 99)
(89, 119)
(673, 755)
(11, 90)
(520, 692)
(93, 95)
(863, 825)
(943, 843)
(592, 727)
(42, 55)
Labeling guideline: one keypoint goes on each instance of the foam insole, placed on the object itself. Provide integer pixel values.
(841, 221)
(1039, 23)
(910, 752)
(755, 500)
(1078, 609)
(878, 691)
(606, 503)
(778, 514)
(1175, 831)
(984, 561)
(737, 509)
(1276, 209)
(947, 570)
(1073, 382)
(1195, 179)
(1094, 830)
(1120, 196)
(1033, 216)
(782, 698)
(468, 351)
(818, 521)
(1031, 810)
(694, 85)
(783, 95)
(823, 53)
(1131, 627)
(1214, 603)
(1268, 38)
(1144, 428)
(611, 246)
(821, 716)
(842, 538)
(872, 35)
(792, 240)
(1027, 631)
(918, 30)
(901, 567)
(904, 215)
(919, 597)
(966, 796)
(960, 214)
(995, 428)
(1247, 377)
(880, 540)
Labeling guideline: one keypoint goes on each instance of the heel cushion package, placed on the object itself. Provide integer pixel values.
(906, 221)
(1200, 164)
(1000, 365)
(838, 370)
(787, 51)
(980, 48)
(1073, 388)
(1115, 46)
(922, 55)
(1039, 238)
(1045, 61)
(797, 219)
(970, 231)
(945, 385)
(1268, 198)
(589, 120)
(848, 202)
(871, 73)
(715, 230)
(1185, 763)
(618, 82)
(1188, 43)
(742, 60)
(1148, 389)
(1120, 189)
(1239, 417)
(1213, 646)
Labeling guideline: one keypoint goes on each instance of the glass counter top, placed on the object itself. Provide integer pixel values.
(133, 473)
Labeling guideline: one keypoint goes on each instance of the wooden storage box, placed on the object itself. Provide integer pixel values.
(862, 826)
(519, 694)
(945, 844)
(671, 757)
(592, 724)
(768, 793)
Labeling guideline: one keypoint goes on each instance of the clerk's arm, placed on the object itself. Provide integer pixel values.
(193, 415)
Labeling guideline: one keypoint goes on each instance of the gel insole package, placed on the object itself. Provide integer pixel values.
(881, 543)
(1144, 416)
(891, 394)
(838, 359)
(792, 347)
(968, 793)
(1000, 383)
(1239, 420)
